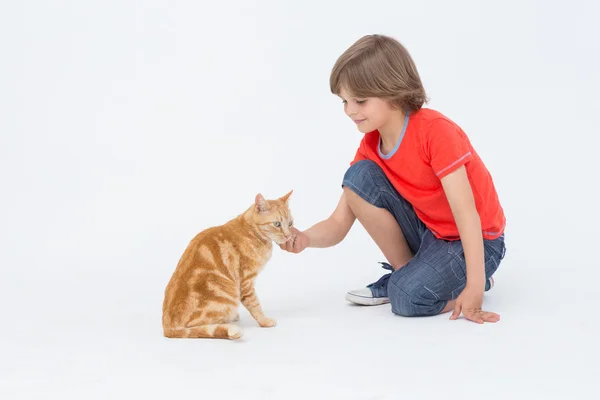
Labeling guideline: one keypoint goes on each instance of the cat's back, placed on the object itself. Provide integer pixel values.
(217, 247)
(200, 252)
(203, 261)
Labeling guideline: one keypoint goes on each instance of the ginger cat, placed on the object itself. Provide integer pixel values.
(218, 269)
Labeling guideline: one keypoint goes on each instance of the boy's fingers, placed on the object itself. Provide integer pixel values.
(285, 246)
(491, 317)
(294, 245)
(456, 311)
(474, 317)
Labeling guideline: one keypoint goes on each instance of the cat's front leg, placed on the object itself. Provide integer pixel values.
(252, 304)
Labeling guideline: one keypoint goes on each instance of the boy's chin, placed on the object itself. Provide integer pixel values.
(364, 129)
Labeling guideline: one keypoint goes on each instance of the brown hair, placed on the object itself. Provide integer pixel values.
(379, 66)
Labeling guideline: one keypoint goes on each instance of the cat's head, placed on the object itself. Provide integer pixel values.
(273, 217)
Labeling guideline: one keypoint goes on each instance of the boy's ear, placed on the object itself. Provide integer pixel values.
(286, 197)
(260, 203)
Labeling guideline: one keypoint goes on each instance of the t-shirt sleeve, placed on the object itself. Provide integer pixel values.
(447, 147)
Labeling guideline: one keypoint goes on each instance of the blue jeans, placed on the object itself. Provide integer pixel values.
(437, 272)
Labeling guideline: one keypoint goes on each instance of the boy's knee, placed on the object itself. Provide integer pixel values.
(360, 172)
(363, 179)
(411, 299)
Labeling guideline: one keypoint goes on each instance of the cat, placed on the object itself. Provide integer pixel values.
(217, 271)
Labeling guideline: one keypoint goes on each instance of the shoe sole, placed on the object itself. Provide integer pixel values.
(366, 301)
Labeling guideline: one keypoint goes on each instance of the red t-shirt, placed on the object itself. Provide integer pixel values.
(431, 147)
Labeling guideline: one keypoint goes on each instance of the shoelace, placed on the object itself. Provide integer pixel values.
(382, 282)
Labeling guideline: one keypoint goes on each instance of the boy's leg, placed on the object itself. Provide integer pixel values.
(383, 228)
(430, 283)
(382, 211)
(393, 224)
(387, 217)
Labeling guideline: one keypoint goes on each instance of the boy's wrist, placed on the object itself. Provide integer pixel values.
(308, 238)
(475, 281)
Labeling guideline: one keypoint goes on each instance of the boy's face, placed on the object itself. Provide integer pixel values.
(368, 114)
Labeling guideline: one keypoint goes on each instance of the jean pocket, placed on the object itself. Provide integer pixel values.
(491, 265)
(457, 261)
(493, 254)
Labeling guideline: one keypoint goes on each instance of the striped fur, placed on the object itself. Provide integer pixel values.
(218, 269)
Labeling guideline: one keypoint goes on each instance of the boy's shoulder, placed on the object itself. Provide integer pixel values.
(429, 123)
(428, 115)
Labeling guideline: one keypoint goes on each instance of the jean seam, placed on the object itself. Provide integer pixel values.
(432, 292)
(456, 259)
(357, 189)
(439, 275)
(395, 198)
(399, 205)
(436, 307)
(443, 304)
(400, 290)
(408, 296)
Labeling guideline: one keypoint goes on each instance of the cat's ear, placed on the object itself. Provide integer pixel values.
(260, 203)
(286, 197)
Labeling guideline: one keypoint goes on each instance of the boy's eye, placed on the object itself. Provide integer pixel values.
(277, 224)
(360, 101)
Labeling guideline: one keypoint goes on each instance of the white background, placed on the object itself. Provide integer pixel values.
(129, 126)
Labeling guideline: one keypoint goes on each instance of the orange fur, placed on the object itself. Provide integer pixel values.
(217, 272)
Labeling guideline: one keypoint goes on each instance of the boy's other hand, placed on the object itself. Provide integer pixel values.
(297, 243)
(469, 302)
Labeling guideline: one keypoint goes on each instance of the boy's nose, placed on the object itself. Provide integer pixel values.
(350, 109)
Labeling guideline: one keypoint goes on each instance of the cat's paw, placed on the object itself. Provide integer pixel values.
(267, 322)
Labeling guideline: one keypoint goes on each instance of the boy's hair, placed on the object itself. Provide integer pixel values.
(379, 66)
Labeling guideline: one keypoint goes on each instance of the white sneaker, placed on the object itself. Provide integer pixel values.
(365, 297)
(375, 293)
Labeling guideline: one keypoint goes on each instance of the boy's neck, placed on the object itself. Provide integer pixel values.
(391, 131)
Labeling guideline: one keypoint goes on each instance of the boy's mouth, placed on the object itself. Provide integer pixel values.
(359, 121)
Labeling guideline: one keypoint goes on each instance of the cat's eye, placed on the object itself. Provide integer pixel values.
(277, 224)
(291, 223)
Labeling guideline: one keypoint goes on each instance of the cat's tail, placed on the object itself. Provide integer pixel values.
(216, 331)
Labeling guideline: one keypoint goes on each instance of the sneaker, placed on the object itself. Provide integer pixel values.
(375, 293)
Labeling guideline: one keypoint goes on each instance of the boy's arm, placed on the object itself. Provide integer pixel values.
(326, 233)
(460, 197)
(334, 229)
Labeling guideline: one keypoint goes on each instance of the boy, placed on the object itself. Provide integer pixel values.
(418, 188)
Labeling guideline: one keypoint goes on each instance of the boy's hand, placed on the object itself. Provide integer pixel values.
(470, 301)
(297, 243)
